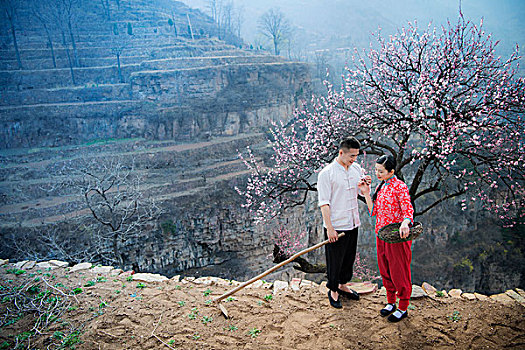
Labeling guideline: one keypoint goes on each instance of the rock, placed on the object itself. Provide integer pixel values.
(188, 279)
(503, 298)
(256, 284)
(127, 273)
(279, 285)
(306, 284)
(175, 278)
(481, 297)
(322, 288)
(267, 285)
(18, 265)
(115, 272)
(295, 283)
(382, 291)
(29, 265)
(149, 277)
(364, 287)
(81, 266)
(417, 292)
(59, 263)
(4, 261)
(102, 270)
(206, 281)
(516, 296)
(468, 296)
(518, 290)
(429, 289)
(46, 265)
(455, 293)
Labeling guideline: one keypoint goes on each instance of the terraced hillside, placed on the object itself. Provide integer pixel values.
(133, 69)
(178, 104)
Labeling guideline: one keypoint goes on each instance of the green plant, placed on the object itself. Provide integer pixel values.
(58, 335)
(181, 303)
(232, 328)
(259, 302)
(4, 346)
(71, 340)
(440, 293)
(141, 285)
(230, 299)
(129, 278)
(72, 308)
(411, 307)
(171, 342)
(455, 317)
(102, 279)
(206, 319)
(268, 297)
(207, 292)
(196, 336)
(33, 289)
(89, 284)
(59, 285)
(254, 332)
(77, 290)
(117, 291)
(177, 287)
(15, 271)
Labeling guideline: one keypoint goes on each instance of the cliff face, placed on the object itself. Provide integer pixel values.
(178, 104)
(134, 69)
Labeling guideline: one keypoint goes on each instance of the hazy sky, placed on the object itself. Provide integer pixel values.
(357, 18)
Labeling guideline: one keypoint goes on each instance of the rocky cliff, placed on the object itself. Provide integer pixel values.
(146, 82)
(124, 70)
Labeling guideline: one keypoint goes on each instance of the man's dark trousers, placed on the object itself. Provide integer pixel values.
(340, 257)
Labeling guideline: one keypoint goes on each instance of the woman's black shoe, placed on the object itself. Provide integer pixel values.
(352, 295)
(384, 311)
(394, 318)
(335, 303)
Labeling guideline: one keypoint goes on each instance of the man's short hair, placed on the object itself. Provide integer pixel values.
(349, 142)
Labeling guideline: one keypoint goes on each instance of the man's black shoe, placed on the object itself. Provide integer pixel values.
(352, 295)
(335, 303)
(384, 311)
(395, 318)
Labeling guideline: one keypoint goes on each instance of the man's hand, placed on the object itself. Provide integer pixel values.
(332, 235)
(368, 179)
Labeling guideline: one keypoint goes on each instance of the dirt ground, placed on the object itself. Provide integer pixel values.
(120, 313)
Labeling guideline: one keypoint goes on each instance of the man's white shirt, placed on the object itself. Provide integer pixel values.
(337, 187)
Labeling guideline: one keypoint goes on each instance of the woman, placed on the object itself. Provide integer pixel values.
(391, 204)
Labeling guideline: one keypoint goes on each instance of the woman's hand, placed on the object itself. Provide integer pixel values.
(364, 186)
(404, 230)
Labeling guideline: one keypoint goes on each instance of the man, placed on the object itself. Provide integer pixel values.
(337, 190)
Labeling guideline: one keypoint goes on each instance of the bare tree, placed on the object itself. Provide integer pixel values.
(10, 7)
(120, 42)
(274, 25)
(106, 8)
(42, 10)
(115, 198)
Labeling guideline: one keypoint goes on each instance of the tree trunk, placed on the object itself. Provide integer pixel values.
(275, 47)
(119, 70)
(50, 41)
(66, 46)
(75, 54)
(15, 43)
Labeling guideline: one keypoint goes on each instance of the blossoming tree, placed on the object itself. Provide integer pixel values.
(439, 100)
